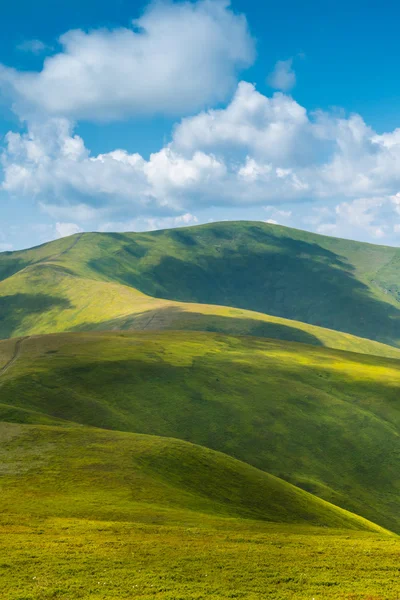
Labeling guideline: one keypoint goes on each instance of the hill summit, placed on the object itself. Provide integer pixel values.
(206, 278)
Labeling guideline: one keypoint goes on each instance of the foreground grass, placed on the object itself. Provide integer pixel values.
(82, 559)
(94, 514)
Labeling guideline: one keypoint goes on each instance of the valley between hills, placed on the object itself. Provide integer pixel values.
(206, 412)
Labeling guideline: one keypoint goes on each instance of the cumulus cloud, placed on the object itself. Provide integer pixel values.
(373, 218)
(271, 130)
(176, 58)
(258, 150)
(278, 216)
(167, 222)
(53, 164)
(283, 76)
(66, 229)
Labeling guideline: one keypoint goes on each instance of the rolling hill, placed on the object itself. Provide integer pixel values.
(115, 281)
(324, 420)
(90, 473)
(187, 463)
(88, 513)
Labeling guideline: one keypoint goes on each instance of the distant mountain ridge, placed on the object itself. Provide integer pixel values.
(346, 286)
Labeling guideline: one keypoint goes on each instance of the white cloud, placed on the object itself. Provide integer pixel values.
(167, 222)
(176, 58)
(370, 218)
(278, 216)
(5, 247)
(256, 151)
(34, 46)
(283, 76)
(151, 224)
(51, 163)
(66, 229)
(266, 128)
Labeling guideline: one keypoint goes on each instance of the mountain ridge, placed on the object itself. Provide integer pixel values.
(280, 281)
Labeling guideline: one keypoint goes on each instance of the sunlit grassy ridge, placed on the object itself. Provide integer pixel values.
(325, 420)
(339, 284)
(48, 297)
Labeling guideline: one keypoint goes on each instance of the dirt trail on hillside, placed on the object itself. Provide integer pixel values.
(14, 358)
(55, 256)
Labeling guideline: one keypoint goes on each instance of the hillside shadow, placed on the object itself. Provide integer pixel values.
(174, 318)
(279, 276)
(18, 307)
(9, 266)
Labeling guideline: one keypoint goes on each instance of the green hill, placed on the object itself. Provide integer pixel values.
(324, 420)
(88, 513)
(95, 474)
(85, 283)
(185, 465)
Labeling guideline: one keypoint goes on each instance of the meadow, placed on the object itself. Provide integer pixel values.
(78, 559)
(324, 420)
(88, 513)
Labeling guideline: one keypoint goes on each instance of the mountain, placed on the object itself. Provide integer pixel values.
(324, 420)
(301, 284)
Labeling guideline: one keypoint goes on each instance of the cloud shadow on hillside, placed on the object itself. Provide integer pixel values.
(14, 309)
(278, 276)
(175, 318)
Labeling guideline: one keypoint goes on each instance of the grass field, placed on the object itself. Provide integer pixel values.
(326, 421)
(88, 513)
(78, 559)
(337, 284)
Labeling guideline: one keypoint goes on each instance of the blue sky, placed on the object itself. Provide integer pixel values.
(196, 112)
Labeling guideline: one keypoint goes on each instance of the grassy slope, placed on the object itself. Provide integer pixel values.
(325, 420)
(343, 285)
(95, 474)
(189, 540)
(339, 284)
(47, 297)
(101, 514)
